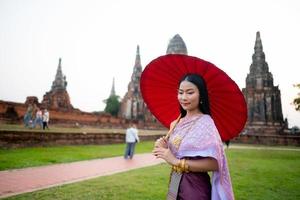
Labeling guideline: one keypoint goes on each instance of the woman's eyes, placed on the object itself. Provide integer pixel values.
(190, 93)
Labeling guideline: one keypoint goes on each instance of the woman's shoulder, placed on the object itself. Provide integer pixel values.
(207, 124)
(207, 119)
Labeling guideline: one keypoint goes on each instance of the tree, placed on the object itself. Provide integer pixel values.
(112, 105)
(296, 101)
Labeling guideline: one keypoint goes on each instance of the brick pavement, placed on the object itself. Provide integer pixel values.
(13, 182)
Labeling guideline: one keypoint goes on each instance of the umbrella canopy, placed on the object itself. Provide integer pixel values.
(160, 82)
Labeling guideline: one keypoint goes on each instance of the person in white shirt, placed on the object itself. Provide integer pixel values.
(131, 139)
(45, 119)
(38, 118)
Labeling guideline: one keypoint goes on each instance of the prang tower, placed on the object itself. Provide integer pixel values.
(262, 97)
(58, 98)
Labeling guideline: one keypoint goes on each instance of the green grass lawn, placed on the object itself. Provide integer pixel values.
(256, 175)
(265, 174)
(36, 156)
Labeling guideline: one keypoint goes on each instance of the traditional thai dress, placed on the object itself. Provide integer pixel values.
(197, 137)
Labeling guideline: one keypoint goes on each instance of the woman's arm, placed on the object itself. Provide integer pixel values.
(201, 165)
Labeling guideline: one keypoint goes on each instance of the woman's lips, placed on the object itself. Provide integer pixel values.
(185, 104)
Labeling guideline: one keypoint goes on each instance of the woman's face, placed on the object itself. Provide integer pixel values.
(188, 96)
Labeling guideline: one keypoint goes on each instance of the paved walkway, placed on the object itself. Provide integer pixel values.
(13, 182)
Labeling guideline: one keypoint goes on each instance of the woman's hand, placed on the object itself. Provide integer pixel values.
(165, 154)
(161, 142)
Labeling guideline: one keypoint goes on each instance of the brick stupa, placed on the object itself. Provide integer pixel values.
(263, 98)
(58, 98)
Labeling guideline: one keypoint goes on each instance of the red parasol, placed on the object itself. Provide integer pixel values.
(160, 82)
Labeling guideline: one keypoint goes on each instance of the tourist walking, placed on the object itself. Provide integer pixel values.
(208, 107)
(131, 139)
(46, 117)
(38, 118)
(28, 116)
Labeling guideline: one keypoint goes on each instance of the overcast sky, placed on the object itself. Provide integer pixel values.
(97, 41)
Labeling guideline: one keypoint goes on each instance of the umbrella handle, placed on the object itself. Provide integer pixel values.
(172, 128)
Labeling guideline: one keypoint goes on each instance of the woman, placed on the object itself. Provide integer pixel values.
(194, 147)
(211, 108)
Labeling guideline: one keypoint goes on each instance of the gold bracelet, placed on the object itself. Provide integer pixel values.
(182, 166)
(186, 167)
(174, 168)
(177, 168)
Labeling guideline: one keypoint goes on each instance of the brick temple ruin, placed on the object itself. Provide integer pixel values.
(262, 97)
(58, 102)
(265, 118)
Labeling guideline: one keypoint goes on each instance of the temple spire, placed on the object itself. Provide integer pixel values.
(177, 46)
(258, 44)
(113, 91)
(137, 65)
(59, 63)
(263, 98)
(260, 76)
(60, 82)
(259, 63)
(58, 97)
(138, 50)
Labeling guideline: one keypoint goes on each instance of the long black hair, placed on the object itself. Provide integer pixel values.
(203, 101)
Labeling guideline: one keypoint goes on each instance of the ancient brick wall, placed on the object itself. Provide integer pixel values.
(282, 140)
(59, 117)
(15, 139)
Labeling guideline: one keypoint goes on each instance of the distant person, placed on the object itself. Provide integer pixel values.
(28, 116)
(38, 118)
(131, 139)
(46, 117)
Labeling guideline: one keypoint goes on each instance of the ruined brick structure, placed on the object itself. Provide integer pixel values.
(265, 123)
(177, 46)
(262, 97)
(132, 105)
(12, 112)
(58, 97)
(58, 103)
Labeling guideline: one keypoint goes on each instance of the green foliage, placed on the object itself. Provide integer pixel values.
(112, 105)
(297, 99)
(256, 174)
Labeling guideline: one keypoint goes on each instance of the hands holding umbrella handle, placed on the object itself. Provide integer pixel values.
(161, 150)
(161, 142)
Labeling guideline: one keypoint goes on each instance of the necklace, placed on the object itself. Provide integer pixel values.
(176, 141)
